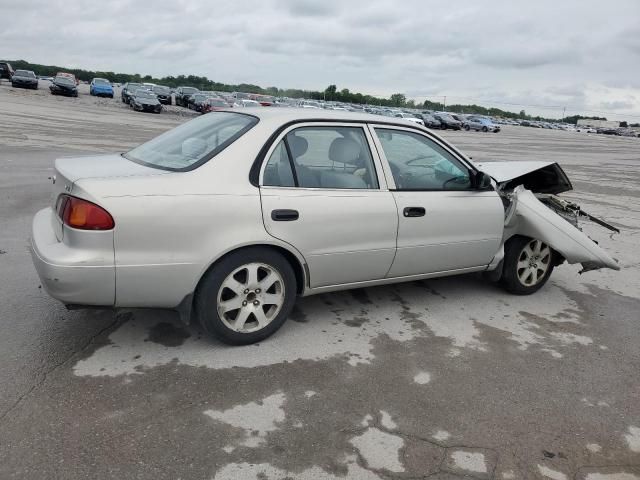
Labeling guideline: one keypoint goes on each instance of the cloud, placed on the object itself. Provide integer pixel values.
(526, 52)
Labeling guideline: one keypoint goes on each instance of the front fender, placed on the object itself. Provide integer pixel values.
(533, 219)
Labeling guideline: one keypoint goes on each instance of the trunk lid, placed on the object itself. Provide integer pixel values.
(68, 170)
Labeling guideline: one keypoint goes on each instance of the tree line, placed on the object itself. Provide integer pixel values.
(331, 93)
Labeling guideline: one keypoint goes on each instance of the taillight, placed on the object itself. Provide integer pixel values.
(78, 213)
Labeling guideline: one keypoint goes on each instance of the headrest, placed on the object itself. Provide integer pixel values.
(345, 150)
(298, 145)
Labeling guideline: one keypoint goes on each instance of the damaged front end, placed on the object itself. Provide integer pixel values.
(533, 209)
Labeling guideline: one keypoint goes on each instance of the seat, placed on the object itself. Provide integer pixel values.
(347, 152)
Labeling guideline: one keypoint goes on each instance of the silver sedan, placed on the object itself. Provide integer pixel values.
(227, 218)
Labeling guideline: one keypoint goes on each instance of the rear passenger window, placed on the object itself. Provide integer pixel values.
(322, 157)
(277, 172)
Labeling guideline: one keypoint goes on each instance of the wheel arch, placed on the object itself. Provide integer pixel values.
(186, 308)
(296, 261)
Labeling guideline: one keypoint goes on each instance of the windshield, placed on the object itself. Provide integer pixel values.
(189, 90)
(217, 102)
(100, 81)
(142, 93)
(24, 73)
(133, 86)
(64, 80)
(162, 90)
(193, 143)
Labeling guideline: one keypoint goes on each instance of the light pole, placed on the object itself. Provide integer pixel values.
(563, 112)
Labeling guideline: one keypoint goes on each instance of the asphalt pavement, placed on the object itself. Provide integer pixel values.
(447, 379)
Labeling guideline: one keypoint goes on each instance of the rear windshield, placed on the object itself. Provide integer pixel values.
(65, 80)
(100, 81)
(193, 143)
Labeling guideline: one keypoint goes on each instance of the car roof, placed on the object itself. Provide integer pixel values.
(286, 115)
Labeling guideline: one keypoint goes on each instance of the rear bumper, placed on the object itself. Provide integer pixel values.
(103, 93)
(79, 276)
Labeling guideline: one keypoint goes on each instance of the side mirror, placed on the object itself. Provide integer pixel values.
(482, 181)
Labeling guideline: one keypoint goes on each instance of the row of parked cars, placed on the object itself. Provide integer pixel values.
(149, 97)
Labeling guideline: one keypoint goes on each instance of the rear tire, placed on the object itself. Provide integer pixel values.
(246, 296)
(485, 129)
(467, 128)
(528, 264)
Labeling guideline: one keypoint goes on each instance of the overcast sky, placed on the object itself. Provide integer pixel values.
(584, 54)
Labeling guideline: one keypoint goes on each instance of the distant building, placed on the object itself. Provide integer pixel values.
(592, 122)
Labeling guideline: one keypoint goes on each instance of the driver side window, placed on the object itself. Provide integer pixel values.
(417, 163)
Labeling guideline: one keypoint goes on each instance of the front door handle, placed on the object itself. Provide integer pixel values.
(414, 212)
(284, 215)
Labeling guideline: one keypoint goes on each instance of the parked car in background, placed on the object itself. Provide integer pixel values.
(628, 132)
(481, 124)
(101, 87)
(409, 116)
(24, 79)
(309, 104)
(448, 121)
(127, 90)
(183, 94)
(142, 100)
(461, 118)
(70, 76)
(63, 85)
(212, 104)
(6, 71)
(163, 93)
(264, 100)
(196, 101)
(246, 103)
(429, 120)
(400, 202)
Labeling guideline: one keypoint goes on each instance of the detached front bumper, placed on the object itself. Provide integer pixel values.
(82, 275)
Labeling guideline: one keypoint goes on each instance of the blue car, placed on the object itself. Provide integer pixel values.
(101, 87)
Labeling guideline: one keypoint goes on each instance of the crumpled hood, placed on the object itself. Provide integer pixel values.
(537, 176)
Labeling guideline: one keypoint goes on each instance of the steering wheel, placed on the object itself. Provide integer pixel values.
(419, 157)
(458, 179)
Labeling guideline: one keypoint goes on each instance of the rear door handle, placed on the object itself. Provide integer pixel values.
(284, 215)
(414, 212)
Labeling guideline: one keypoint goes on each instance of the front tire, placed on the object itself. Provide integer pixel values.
(528, 263)
(247, 296)
(485, 129)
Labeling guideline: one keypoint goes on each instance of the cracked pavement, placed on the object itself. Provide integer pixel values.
(442, 379)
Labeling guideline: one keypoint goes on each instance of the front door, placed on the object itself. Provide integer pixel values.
(444, 223)
(321, 193)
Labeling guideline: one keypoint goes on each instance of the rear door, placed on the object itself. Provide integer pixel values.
(444, 223)
(323, 193)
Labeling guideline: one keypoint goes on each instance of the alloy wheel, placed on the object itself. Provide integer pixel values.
(250, 297)
(533, 263)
